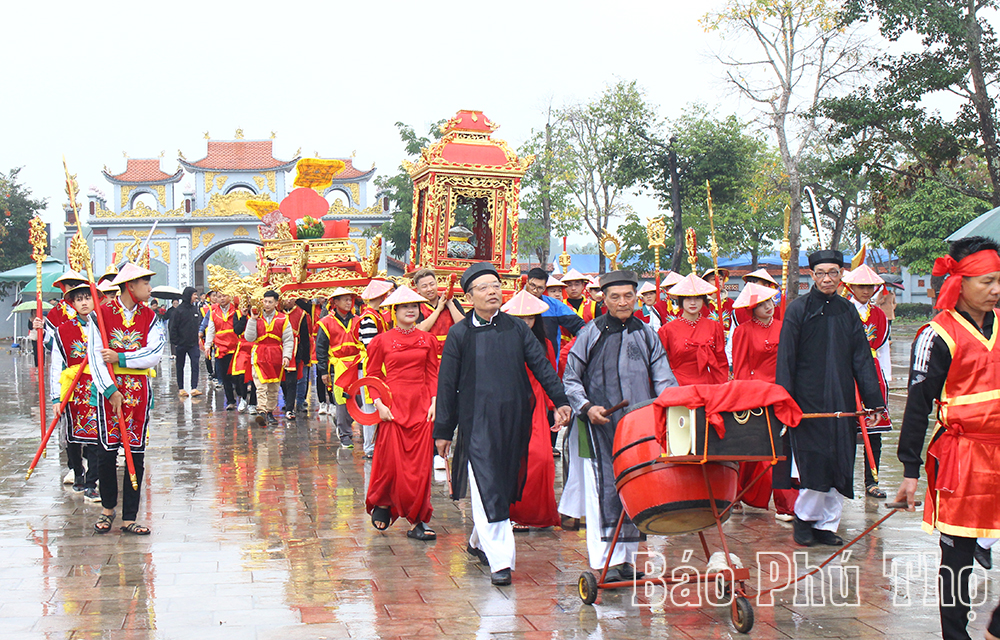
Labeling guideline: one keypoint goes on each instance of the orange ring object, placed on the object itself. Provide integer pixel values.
(376, 390)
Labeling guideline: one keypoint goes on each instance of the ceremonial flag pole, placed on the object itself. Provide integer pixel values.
(36, 236)
(715, 250)
(786, 254)
(78, 248)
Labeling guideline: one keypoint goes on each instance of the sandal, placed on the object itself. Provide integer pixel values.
(135, 529)
(103, 524)
(421, 532)
(873, 491)
(381, 516)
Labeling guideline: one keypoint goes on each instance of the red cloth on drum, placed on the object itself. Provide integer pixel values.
(402, 464)
(537, 506)
(696, 352)
(737, 395)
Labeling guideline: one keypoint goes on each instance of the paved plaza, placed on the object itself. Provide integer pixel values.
(263, 534)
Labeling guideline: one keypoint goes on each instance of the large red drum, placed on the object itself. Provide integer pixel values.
(663, 498)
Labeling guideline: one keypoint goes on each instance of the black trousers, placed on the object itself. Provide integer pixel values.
(75, 455)
(876, 440)
(321, 392)
(953, 588)
(222, 368)
(107, 474)
(184, 354)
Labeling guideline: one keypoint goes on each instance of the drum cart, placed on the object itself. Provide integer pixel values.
(753, 436)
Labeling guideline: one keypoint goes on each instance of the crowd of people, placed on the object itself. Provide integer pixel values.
(489, 388)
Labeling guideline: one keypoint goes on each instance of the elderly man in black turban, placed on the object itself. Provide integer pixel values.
(822, 354)
(483, 389)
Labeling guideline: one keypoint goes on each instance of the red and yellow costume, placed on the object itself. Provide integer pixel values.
(71, 341)
(225, 340)
(127, 335)
(963, 463)
(266, 354)
(344, 352)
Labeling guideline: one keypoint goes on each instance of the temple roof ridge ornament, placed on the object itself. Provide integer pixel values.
(239, 155)
(466, 145)
(143, 171)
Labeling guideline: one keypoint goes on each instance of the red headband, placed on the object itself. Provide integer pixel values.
(977, 264)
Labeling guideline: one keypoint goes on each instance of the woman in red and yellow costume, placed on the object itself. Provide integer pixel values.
(955, 368)
(695, 344)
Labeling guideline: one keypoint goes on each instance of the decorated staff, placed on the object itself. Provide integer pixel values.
(714, 248)
(656, 230)
(36, 235)
(786, 254)
(79, 250)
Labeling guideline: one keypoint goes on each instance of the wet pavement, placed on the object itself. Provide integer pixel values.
(262, 534)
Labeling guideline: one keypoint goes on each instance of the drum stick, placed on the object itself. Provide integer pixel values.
(835, 414)
(901, 505)
(621, 405)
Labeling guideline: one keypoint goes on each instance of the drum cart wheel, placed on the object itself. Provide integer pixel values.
(742, 614)
(587, 586)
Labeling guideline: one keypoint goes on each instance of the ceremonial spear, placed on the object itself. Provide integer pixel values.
(78, 247)
(36, 236)
(715, 251)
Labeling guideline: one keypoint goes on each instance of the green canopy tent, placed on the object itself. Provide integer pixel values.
(27, 272)
(987, 224)
(49, 290)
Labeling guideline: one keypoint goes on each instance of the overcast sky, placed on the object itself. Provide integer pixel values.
(93, 80)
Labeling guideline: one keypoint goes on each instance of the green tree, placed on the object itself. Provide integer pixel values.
(914, 223)
(545, 209)
(17, 207)
(958, 55)
(803, 54)
(399, 189)
(603, 155)
(226, 258)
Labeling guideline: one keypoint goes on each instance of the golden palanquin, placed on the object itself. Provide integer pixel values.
(466, 179)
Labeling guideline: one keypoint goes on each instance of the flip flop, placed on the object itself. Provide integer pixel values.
(104, 519)
(421, 532)
(135, 529)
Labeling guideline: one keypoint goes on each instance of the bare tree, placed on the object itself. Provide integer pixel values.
(802, 56)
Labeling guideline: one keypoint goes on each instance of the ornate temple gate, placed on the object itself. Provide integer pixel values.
(213, 214)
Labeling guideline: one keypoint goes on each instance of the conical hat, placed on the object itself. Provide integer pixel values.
(108, 288)
(710, 274)
(79, 286)
(69, 279)
(670, 279)
(574, 276)
(109, 273)
(753, 294)
(691, 285)
(375, 289)
(403, 295)
(593, 284)
(524, 304)
(647, 287)
(863, 274)
(552, 282)
(341, 291)
(761, 274)
(131, 271)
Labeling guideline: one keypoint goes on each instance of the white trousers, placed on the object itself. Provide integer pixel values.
(821, 508)
(571, 502)
(368, 430)
(598, 549)
(495, 539)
